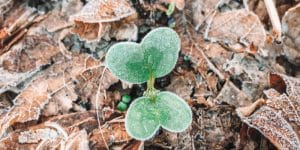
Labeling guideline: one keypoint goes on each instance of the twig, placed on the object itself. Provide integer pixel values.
(97, 107)
(274, 19)
(209, 24)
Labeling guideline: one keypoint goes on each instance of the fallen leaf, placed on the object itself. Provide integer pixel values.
(233, 96)
(93, 21)
(202, 9)
(183, 85)
(278, 120)
(60, 18)
(291, 31)
(64, 132)
(25, 59)
(28, 104)
(238, 26)
(112, 133)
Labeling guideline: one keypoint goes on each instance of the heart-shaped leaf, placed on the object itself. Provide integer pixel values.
(146, 116)
(156, 56)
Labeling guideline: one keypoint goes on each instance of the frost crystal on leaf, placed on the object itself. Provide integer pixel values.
(279, 119)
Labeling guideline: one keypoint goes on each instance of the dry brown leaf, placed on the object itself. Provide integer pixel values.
(59, 17)
(183, 85)
(239, 26)
(61, 102)
(64, 132)
(28, 104)
(190, 43)
(88, 83)
(231, 95)
(25, 58)
(202, 9)
(113, 133)
(279, 119)
(92, 22)
(291, 31)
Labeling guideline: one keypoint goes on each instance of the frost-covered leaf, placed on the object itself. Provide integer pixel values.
(113, 133)
(93, 21)
(279, 119)
(168, 111)
(156, 55)
(237, 26)
(64, 132)
(28, 104)
(59, 17)
(291, 30)
(96, 11)
(26, 58)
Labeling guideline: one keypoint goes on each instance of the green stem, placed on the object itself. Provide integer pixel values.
(150, 83)
(151, 91)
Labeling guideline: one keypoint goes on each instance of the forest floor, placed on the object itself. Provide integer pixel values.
(239, 71)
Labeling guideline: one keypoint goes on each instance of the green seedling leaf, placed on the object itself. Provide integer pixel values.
(171, 9)
(155, 56)
(145, 116)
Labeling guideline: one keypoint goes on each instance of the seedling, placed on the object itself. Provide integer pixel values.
(154, 57)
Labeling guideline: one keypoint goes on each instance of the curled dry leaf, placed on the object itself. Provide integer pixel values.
(279, 118)
(93, 21)
(28, 104)
(25, 58)
(238, 26)
(291, 31)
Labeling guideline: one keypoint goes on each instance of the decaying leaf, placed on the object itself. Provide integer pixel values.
(28, 104)
(202, 9)
(59, 18)
(93, 21)
(291, 31)
(231, 95)
(61, 102)
(112, 133)
(65, 132)
(183, 85)
(279, 118)
(26, 58)
(238, 26)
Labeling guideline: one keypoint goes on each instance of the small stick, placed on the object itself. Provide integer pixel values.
(274, 19)
(97, 107)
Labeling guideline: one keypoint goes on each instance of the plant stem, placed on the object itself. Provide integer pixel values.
(150, 83)
(151, 91)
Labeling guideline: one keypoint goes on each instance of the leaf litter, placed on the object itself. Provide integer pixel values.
(242, 86)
